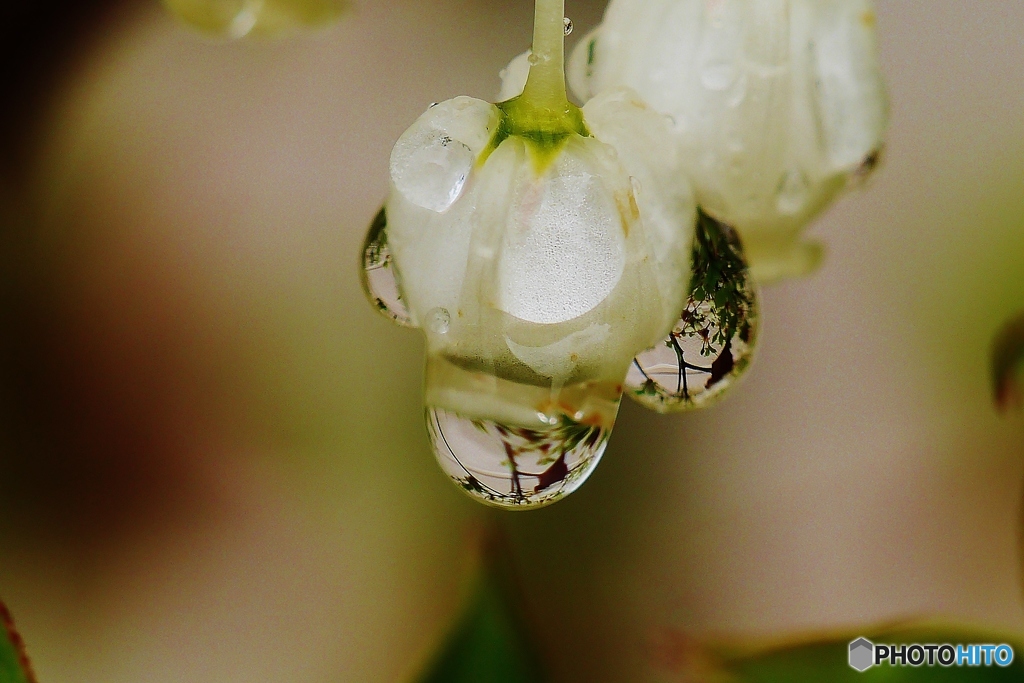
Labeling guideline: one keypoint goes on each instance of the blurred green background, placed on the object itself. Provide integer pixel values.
(213, 465)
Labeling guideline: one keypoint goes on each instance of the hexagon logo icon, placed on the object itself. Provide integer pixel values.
(862, 654)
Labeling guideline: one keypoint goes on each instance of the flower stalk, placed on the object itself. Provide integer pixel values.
(545, 88)
(542, 114)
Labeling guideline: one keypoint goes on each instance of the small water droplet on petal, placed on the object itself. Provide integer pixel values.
(378, 275)
(439, 321)
(430, 168)
(713, 343)
(568, 25)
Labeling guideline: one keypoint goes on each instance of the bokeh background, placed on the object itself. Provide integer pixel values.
(212, 459)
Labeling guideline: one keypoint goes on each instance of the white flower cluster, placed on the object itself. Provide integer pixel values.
(556, 256)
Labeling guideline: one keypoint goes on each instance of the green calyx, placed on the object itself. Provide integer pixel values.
(544, 129)
(542, 116)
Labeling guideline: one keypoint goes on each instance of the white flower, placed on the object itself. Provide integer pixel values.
(561, 258)
(540, 247)
(775, 104)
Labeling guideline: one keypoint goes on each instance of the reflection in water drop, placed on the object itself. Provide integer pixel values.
(713, 342)
(380, 281)
(793, 193)
(568, 25)
(516, 467)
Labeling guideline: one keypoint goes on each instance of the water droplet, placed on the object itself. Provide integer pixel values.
(512, 444)
(433, 104)
(718, 75)
(713, 343)
(533, 59)
(517, 467)
(430, 168)
(439, 320)
(378, 276)
(793, 193)
(568, 25)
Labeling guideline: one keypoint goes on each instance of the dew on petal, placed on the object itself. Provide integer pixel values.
(439, 320)
(516, 467)
(378, 276)
(430, 168)
(568, 26)
(713, 342)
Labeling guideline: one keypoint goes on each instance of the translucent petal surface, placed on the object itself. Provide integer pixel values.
(239, 18)
(775, 104)
(713, 343)
(513, 77)
(641, 139)
(565, 248)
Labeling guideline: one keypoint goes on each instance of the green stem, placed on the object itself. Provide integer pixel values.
(542, 115)
(545, 87)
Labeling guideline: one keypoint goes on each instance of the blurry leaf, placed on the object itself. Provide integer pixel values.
(1007, 357)
(490, 642)
(814, 661)
(239, 18)
(14, 664)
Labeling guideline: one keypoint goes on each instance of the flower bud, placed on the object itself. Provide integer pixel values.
(776, 105)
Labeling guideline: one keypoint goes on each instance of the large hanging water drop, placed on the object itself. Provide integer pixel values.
(378, 276)
(541, 445)
(713, 342)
